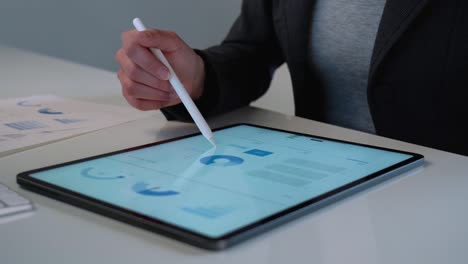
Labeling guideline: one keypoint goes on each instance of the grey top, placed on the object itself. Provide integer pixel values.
(343, 33)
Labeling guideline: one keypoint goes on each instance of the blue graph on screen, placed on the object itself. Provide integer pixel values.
(221, 160)
(49, 111)
(145, 189)
(208, 212)
(98, 176)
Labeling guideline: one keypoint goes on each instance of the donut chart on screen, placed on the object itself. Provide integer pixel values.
(221, 160)
(87, 172)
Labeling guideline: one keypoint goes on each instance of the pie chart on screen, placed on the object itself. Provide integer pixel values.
(221, 160)
(91, 173)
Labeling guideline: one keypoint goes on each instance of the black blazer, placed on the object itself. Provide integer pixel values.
(418, 81)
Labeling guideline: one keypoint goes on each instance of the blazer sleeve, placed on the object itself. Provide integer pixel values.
(239, 70)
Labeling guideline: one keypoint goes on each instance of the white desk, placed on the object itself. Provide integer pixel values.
(419, 217)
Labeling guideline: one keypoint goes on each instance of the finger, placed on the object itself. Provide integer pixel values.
(141, 91)
(167, 41)
(144, 58)
(128, 36)
(137, 74)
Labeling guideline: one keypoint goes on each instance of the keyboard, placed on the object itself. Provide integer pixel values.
(12, 203)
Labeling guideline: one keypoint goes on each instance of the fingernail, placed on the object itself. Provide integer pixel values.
(164, 74)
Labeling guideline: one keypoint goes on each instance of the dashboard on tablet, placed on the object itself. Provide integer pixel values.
(253, 173)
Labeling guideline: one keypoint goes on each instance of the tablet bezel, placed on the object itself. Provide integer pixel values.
(230, 238)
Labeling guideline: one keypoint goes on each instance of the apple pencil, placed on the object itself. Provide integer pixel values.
(180, 90)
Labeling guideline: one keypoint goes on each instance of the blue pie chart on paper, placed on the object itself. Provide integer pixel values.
(145, 189)
(221, 160)
(87, 172)
(49, 111)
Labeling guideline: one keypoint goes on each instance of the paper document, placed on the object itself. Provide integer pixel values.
(36, 120)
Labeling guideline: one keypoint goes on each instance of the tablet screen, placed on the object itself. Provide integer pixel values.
(253, 173)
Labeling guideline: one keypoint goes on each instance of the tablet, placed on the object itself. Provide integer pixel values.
(255, 179)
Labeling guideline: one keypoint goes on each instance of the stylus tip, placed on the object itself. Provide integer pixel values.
(212, 141)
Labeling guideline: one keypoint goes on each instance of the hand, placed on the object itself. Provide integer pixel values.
(144, 78)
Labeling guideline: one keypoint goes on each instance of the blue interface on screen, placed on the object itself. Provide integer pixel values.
(251, 174)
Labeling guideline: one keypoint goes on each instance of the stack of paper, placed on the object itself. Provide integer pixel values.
(33, 121)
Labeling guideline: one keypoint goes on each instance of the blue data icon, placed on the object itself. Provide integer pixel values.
(49, 111)
(145, 189)
(258, 152)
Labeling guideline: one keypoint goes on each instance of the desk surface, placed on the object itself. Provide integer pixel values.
(419, 217)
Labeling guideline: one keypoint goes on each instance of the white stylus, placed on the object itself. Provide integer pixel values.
(180, 90)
